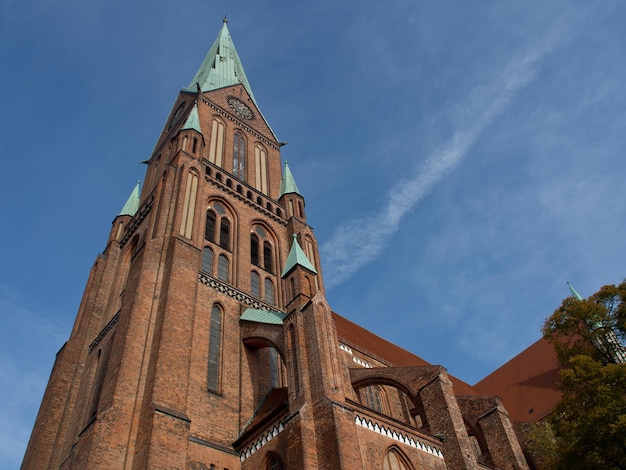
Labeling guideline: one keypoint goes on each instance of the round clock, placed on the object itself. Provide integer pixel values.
(240, 108)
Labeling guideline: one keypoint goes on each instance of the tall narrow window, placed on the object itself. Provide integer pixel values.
(225, 233)
(222, 267)
(254, 250)
(274, 368)
(267, 257)
(209, 229)
(372, 398)
(207, 260)
(255, 284)
(239, 156)
(216, 145)
(274, 463)
(269, 290)
(215, 339)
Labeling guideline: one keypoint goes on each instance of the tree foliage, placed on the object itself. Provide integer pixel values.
(587, 428)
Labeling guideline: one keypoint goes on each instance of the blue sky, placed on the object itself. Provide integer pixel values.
(458, 159)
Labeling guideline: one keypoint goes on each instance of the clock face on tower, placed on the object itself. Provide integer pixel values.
(240, 108)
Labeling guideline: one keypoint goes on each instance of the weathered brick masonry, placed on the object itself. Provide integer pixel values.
(204, 339)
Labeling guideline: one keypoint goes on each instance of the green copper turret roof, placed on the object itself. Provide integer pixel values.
(297, 256)
(132, 204)
(221, 66)
(288, 184)
(193, 120)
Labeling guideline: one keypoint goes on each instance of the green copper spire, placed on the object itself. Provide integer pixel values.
(221, 66)
(131, 206)
(288, 184)
(193, 121)
(297, 256)
(575, 294)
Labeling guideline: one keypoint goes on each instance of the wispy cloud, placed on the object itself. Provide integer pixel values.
(357, 242)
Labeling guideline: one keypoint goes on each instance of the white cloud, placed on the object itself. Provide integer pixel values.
(355, 243)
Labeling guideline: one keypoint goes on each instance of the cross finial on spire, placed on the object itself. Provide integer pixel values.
(225, 20)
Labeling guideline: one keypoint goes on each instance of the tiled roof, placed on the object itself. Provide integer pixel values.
(377, 347)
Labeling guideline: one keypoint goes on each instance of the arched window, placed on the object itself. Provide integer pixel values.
(269, 290)
(394, 460)
(373, 398)
(274, 463)
(216, 145)
(207, 260)
(255, 284)
(239, 156)
(225, 233)
(274, 368)
(222, 267)
(254, 250)
(267, 257)
(215, 344)
(209, 229)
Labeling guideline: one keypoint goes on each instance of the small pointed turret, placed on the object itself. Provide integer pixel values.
(297, 257)
(132, 204)
(193, 120)
(221, 66)
(288, 183)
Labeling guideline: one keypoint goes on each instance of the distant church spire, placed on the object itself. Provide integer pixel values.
(221, 66)
(132, 204)
(609, 344)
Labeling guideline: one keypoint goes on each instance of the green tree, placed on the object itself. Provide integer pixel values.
(587, 428)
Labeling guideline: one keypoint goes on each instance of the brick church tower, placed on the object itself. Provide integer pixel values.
(204, 339)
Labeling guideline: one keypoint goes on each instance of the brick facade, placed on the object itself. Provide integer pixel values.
(163, 371)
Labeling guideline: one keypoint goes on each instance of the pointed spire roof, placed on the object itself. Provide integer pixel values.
(221, 66)
(297, 256)
(575, 294)
(288, 183)
(193, 120)
(132, 204)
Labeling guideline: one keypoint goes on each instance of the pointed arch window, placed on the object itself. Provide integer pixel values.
(267, 257)
(239, 156)
(254, 250)
(209, 229)
(255, 284)
(373, 398)
(394, 460)
(207, 260)
(189, 204)
(223, 266)
(225, 233)
(269, 290)
(215, 346)
(274, 463)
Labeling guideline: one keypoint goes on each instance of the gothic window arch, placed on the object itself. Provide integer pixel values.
(262, 249)
(216, 144)
(239, 156)
(373, 397)
(255, 284)
(274, 463)
(223, 267)
(269, 290)
(207, 260)
(215, 349)
(395, 460)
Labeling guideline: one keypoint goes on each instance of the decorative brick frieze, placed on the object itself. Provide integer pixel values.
(386, 430)
(109, 326)
(236, 294)
(261, 441)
